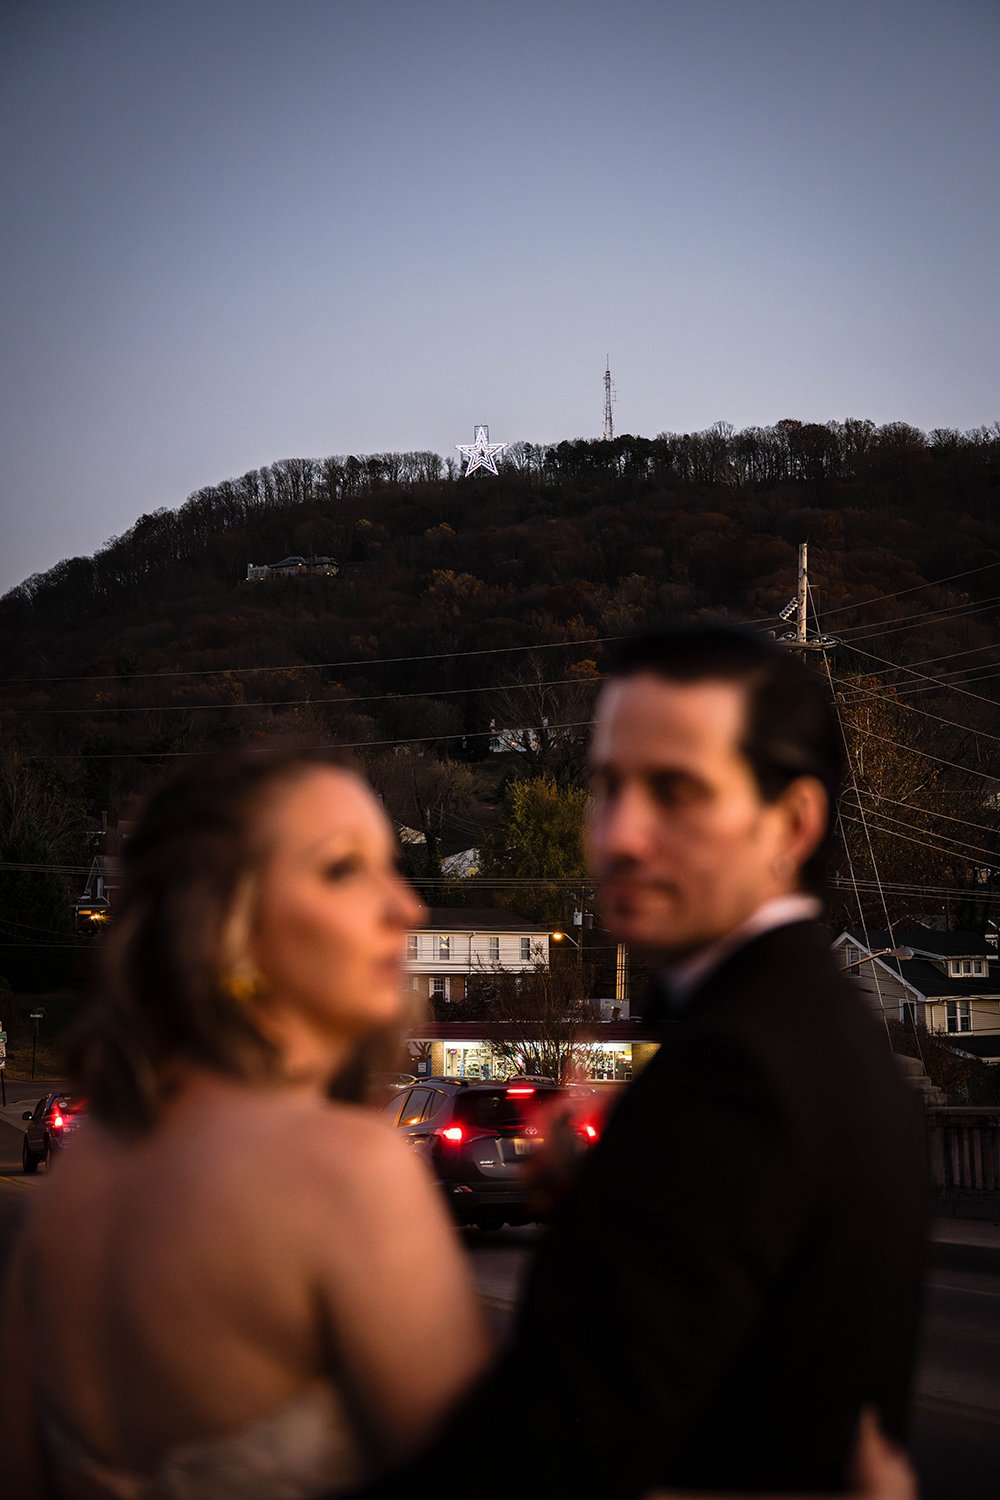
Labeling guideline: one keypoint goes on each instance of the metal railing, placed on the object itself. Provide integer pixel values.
(964, 1149)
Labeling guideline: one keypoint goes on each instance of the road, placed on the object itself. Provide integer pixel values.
(956, 1428)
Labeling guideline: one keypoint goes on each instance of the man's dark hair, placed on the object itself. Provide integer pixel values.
(791, 726)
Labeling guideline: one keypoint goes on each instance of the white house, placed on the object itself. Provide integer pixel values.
(459, 941)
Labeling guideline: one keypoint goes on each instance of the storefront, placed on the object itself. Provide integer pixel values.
(460, 1050)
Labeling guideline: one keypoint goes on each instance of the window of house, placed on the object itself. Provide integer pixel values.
(412, 945)
(525, 949)
(908, 1012)
(444, 947)
(440, 988)
(959, 1015)
(494, 950)
(852, 954)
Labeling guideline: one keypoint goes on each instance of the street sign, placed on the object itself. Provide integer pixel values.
(36, 1015)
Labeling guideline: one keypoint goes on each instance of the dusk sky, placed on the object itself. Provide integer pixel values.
(239, 231)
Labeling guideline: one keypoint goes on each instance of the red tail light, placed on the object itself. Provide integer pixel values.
(519, 1093)
(57, 1122)
(588, 1131)
(453, 1133)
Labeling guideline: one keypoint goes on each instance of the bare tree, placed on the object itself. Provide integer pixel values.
(537, 1020)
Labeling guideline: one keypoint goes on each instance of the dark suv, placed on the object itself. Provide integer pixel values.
(53, 1118)
(479, 1138)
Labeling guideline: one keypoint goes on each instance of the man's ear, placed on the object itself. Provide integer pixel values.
(806, 809)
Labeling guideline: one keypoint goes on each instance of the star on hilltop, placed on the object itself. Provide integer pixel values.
(482, 454)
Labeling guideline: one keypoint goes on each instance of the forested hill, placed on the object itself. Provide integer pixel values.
(583, 517)
(465, 601)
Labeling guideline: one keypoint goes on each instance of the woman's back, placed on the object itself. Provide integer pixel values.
(198, 1280)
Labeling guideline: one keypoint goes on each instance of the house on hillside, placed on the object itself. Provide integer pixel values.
(457, 942)
(522, 740)
(93, 906)
(292, 567)
(460, 863)
(951, 985)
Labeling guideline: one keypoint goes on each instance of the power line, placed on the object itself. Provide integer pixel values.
(316, 666)
(323, 666)
(931, 812)
(891, 702)
(431, 693)
(912, 622)
(953, 687)
(912, 839)
(916, 589)
(426, 739)
(964, 847)
(926, 755)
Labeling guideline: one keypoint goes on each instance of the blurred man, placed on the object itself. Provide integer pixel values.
(737, 1272)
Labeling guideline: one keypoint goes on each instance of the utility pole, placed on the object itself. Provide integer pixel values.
(621, 973)
(609, 421)
(797, 609)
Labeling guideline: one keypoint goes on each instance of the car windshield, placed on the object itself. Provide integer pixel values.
(498, 1109)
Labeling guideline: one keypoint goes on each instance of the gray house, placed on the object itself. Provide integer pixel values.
(951, 985)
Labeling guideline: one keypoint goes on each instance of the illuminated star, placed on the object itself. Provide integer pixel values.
(482, 454)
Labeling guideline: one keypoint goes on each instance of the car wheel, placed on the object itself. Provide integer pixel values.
(490, 1222)
(29, 1161)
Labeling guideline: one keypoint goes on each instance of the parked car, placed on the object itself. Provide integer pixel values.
(53, 1119)
(480, 1140)
(385, 1086)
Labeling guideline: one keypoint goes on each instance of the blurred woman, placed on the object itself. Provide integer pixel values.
(224, 1287)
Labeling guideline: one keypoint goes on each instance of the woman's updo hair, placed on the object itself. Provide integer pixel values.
(171, 982)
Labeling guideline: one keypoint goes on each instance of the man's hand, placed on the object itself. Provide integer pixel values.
(880, 1471)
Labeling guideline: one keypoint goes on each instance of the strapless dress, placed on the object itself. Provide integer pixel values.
(306, 1448)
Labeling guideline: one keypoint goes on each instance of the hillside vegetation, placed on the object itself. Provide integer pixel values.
(465, 603)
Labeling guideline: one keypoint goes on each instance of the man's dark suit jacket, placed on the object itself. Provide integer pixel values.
(738, 1270)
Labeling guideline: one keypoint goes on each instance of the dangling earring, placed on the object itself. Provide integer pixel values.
(242, 983)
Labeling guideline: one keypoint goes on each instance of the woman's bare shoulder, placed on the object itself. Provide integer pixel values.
(352, 1145)
(313, 1141)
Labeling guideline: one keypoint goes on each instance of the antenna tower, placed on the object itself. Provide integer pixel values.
(609, 421)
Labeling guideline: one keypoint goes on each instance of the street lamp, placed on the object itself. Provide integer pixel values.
(35, 1017)
(621, 963)
(879, 953)
(564, 937)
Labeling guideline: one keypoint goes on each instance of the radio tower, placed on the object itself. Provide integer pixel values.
(609, 421)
